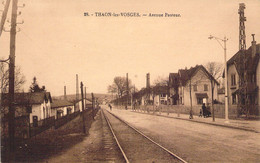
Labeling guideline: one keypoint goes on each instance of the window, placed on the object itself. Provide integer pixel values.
(47, 112)
(234, 99)
(200, 101)
(206, 87)
(233, 79)
(163, 95)
(195, 88)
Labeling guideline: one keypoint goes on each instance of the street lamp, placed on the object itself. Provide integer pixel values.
(226, 77)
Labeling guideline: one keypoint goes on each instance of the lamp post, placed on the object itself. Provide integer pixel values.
(226, 77)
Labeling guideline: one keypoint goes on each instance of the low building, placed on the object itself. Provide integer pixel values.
(36, 105)
(60, 108)
(160, 95)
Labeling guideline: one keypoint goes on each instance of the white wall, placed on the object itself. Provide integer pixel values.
(36, 111)
(232, 70)
(199, 79)
(258, 81)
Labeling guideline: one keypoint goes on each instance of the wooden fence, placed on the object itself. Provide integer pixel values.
(63, 120)
(24, 129)
(219, 109)
(43, 125)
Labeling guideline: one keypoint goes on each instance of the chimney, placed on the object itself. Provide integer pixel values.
(148, 80)
(65, 95)
(253, 46)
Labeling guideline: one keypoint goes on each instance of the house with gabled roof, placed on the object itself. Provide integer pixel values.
(37, 105)
(243, 74)
(192, 86)
(61, 107)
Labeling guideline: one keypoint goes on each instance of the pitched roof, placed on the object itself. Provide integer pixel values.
(60, 103)
(72, 98)
(160, 89)
(27, 98)
(186, 74)
(173, 79)
(239, 56)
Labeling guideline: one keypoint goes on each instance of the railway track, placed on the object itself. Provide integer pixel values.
(134, 145)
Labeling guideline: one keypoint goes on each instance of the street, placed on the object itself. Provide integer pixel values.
(194, 142)
(197, 142)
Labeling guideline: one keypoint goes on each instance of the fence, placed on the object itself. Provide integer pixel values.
(21, 127)
(63, 120)
(24, 129)
(42, 126)
(219, 109)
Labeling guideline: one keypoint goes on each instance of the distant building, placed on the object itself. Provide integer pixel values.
(60, 108)
(160, 95)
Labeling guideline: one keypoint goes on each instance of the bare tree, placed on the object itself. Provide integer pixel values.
(119, 86)
(161, 81)
(4, 78)
(215, 70)
(112, 88)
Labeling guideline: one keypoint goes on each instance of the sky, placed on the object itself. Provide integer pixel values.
(57, 41)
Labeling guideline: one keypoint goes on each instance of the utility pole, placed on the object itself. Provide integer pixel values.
(7, 3)
(148, 90)
(243, 71)
(77, 92)
(11, 119)
(65, 94)
(242, 33)
(82, 102)
(226, 80)
(191, 112)
(93, 105)
(127, 90)
(226, 77)
(85, 97)
(212, 101)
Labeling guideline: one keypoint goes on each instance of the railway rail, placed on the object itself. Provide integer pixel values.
(135, 146)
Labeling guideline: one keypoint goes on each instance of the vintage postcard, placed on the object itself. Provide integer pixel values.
(130, 81)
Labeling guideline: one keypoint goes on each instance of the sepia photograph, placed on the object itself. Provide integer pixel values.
(150, 81)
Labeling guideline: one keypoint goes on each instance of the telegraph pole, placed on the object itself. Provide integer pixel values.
(82, 102)
(85, 97)
(65, 94)
(77, 92)
(11, 119)
(7, 3)
(93, 105)
(226, 77)
(127, 90)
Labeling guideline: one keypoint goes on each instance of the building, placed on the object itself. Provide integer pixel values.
(221, 95)
(193, 86)
(243, 74)
(60, 108)
(173, 88)
(36, 105)
(160, 95)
